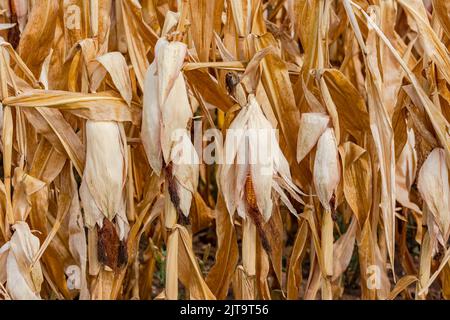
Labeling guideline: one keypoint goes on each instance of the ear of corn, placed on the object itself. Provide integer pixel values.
(210, 149)
(23, 277)
(434, 188)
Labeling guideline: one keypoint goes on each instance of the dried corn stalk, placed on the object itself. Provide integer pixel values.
(166, 117)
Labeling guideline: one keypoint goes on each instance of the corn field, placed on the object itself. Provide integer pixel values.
(224, 149)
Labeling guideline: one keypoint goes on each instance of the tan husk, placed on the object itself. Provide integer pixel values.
(133, 131)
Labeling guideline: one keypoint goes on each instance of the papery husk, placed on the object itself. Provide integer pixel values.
(327, 171)
(166, 105)
(116, 102)
(433, 185)
(104, 176)
(312, 125)
(23, 277)
(241, 160)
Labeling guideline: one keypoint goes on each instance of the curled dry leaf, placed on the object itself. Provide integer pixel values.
(357, 179)
(117, 67)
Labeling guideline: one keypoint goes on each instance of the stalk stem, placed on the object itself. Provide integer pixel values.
(249, 258)
(170, 220)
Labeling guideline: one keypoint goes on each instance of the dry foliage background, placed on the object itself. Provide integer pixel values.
(94, 207)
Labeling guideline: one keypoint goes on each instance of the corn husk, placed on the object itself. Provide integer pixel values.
(102, 189)
(327, 171)
(167, 117)
(23, 277)
(433, 185)
(312, 125)
(265, 175)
